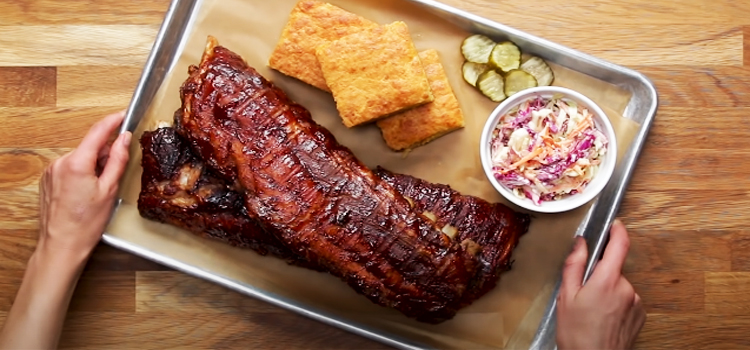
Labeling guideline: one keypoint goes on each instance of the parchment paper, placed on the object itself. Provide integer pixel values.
(252, 28)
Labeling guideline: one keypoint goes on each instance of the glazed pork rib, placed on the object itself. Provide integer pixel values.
(179, 190)
(493, 226)
(320, 201)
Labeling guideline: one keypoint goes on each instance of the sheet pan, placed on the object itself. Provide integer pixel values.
(627, 96)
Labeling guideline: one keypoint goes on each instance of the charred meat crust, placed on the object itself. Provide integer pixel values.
(177, 189)
(250, 167)
(325, 205)
(493, 226)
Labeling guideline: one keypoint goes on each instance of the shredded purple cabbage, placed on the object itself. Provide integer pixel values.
(547, 172)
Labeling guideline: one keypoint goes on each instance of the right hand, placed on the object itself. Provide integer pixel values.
(606, 313)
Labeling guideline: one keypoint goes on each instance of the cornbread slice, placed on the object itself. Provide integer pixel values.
(374, 73)
(423, 124)
(312, 23)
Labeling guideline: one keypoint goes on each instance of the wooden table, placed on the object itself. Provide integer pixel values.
(65, 64)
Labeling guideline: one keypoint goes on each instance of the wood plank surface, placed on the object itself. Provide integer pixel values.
(27, 86)
(695, 331)
(48, 127)
(94, 86)
(99, 12)
(698, 87)
(62, 45)
(64, 65)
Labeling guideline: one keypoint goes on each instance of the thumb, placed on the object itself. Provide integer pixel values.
(575, 265)
(118, 159)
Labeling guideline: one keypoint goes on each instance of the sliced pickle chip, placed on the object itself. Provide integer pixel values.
(505, 56)
(518, 80)
(477, 48)
(540, 70)
(491, 84)
(472, 71)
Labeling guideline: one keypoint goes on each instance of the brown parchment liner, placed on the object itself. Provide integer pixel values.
(507, 316)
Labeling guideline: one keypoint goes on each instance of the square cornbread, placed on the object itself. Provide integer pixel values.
(312, 23)
(374, 73)
(423, 124)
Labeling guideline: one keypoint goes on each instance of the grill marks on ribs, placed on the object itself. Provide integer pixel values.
(323, 203)
(493, 226)
(213, 208)
(177, 189)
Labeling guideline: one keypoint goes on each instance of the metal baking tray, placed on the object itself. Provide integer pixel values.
(594, 227)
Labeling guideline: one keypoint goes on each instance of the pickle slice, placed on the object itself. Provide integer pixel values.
(472, 71)
(540, 70)
(491, 84)
(477, 48)
(517, 80)
(505, 56)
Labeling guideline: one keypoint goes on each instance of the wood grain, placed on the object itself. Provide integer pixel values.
(19, 194)
(96, 291)
(728, 293)
(105, 291)
(700, 87)
(61, 45)
(694, 169)
(686, 210)
(27, 86)
(10, 281)
(696, 331)
(644, 45)
(666, 137)
(64, 65)
(35, 12)
(554, 13)
(276, 330)
(168, 290)
(741, 251)
(661, 251)
(48, 127)
(96, 85)
(670, 292)
(16, 247)
(22, 167)
(108, 258)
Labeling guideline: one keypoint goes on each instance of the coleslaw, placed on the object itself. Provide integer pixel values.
(547, 149)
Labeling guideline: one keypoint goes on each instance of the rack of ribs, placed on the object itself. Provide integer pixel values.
(302, 188)
(493, 226)
(179, 190)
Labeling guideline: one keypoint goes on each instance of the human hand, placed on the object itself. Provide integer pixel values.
(606, 313)
(77, 191)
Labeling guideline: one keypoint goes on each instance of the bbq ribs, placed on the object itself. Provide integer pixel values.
(256, 171)
(178, 189)
(493, 226)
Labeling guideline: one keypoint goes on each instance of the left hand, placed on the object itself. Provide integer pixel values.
(77, 191)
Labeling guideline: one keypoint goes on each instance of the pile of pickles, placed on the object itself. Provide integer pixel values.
(496, 69)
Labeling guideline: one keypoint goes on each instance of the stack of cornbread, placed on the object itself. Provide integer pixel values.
(374, 73)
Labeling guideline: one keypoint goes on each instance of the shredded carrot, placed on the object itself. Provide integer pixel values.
(550, 144)
(533, 164)
(527, 158)
(585, 123)
(579, 128)
(544, 131)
